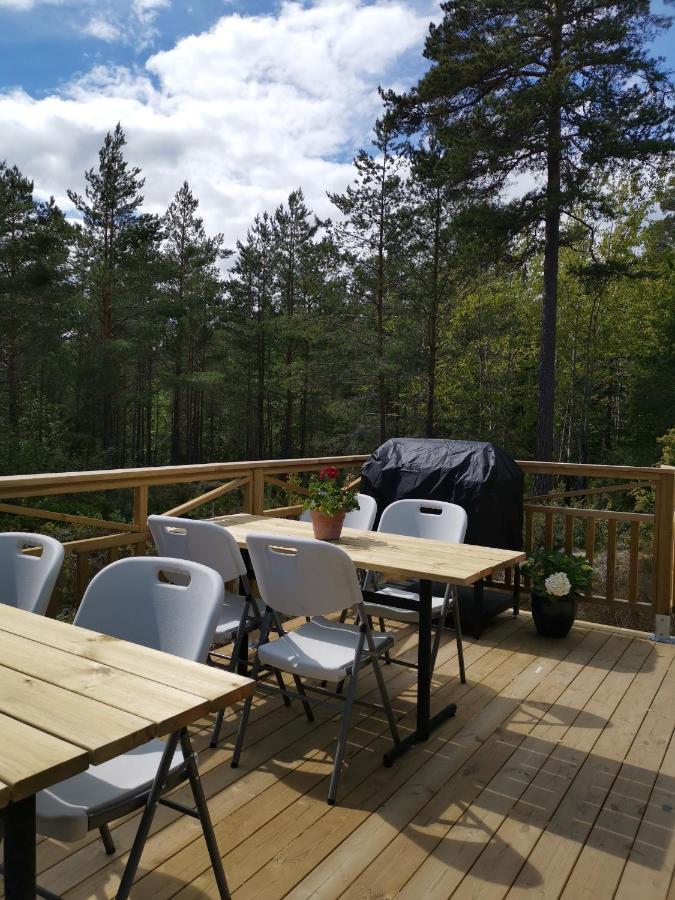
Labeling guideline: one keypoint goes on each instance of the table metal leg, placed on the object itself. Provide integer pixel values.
(19, 866)
(424, 662)
(477, 610)
(425, 721)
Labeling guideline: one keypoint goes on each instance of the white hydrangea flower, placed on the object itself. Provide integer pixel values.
(558, 584)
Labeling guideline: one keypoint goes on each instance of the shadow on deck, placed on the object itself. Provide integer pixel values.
(555, 778)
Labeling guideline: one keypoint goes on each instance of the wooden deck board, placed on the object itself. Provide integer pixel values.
(555, 779)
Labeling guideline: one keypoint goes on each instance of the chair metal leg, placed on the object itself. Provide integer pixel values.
(204, 816)
(279, 628)
(147, 817)
(344, 728)
(386, 702)
(282, 687)
(387, 657)
(239, 743)
(301, 690)
(215, 734)
(268, 619)
(107, 839)
(243, 722)
(440, 625)
(239, 662)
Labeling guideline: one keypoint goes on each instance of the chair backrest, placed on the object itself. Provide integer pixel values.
(362, 518)
(301, 576)
(27, 580)
(198, 541)
(433, 519)
(132, 599)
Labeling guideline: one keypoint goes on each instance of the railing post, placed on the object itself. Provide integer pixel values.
(140, 514)
(247, 494)
(81, 575)
(258, 492)
(663, 552)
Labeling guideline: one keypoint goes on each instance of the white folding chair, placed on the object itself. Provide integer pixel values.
(212, 545)
(362, 518)
(140, 600)
(304, 577)
(27, 579)
(438, 521)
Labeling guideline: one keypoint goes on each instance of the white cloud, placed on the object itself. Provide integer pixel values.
(144, 8)
(131, 21)
(24, 5)
(245, 112)
(102, 29)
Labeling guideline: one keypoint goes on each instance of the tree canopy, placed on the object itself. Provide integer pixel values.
(533, 105)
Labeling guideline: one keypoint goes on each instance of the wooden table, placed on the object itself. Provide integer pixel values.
(69, 698)
(406, 557)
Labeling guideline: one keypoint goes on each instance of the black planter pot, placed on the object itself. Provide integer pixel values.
(553, 616)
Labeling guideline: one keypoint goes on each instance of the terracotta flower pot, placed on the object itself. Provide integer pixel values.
(326, 528)
(553, 616)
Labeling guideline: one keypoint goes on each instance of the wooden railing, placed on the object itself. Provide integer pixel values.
(632, 551)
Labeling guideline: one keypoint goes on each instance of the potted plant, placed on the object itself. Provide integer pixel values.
(558, 580)
(328, 501)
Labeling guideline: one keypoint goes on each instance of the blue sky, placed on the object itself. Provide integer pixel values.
(45, 45)
(247, 99)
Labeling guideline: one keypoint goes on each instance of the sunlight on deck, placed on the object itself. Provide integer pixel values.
(555, 779)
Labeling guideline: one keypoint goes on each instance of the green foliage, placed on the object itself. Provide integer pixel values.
(520, 88)
(322, 338)
(544, 563)
(667, 442)
(330, 494)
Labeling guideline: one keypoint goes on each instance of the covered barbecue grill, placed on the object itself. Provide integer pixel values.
(480, 477)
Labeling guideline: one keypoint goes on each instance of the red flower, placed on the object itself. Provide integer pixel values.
(328, 472)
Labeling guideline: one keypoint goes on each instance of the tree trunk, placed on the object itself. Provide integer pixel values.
(288, 414)
(107, 366)
(433, 326)
(176, 416)
(260, 398)
(379, 320)
(547, 340)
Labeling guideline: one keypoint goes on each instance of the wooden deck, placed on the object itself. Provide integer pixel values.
(556, 779)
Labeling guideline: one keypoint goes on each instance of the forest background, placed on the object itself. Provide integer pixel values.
(128, 339)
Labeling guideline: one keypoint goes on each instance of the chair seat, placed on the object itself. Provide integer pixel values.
(318, 649)
(381, 610)
(230, 617)
(64, 811)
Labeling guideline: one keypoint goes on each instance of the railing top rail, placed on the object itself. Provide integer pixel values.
(109, 479)
(585, 470)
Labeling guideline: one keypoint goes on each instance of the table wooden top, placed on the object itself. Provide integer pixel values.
(395, 554)
(70, 697)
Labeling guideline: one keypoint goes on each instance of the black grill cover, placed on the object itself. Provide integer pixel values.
(480, 477)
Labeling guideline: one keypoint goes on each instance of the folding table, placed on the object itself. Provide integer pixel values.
(408, 557)
(69, 698)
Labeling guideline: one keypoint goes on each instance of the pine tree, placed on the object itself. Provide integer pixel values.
(194, 291)
(110, 214)
(370, 238)
(554, 91)
(293, 233)
(251, 292)
(34, 296)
